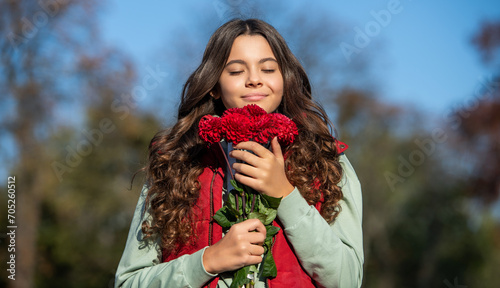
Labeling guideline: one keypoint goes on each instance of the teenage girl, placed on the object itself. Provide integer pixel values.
(173, 240)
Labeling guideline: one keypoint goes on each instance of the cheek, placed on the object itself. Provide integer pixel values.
(228, 90)
(229, 86)
(277, 85)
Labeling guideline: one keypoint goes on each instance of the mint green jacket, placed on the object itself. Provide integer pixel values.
(332, 254)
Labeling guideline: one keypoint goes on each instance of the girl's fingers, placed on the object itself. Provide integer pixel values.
(253, 259)
(257, 229)
(255, 225)
(264, 171)
(276, 148)
(246, 169)
(245, 156)
(256, 250)
(248, 145)
(255, 147)
(251, 153)
(241, 246)
(247, 181)
(256, 239)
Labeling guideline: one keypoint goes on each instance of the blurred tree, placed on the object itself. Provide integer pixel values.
(86, 219)
(368, 127)
(478, 124)
(428, 231)
(71, 182)
(38, 48)
(487, 41)
(417, 223)
(474, 130)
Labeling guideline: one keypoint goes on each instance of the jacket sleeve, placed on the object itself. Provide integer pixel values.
(332, 254)
(140, 263)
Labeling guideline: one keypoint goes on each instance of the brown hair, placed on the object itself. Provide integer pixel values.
(174, 154)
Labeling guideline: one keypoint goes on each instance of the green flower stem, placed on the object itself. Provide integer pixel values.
(243, 203)
(253, 203)
(237, 204)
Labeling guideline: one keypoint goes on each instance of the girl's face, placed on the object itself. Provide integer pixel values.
(251, 75)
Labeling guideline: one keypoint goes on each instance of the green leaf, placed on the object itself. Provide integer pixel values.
(225, 218)
(256, 215)
(271, 230)
(272, 202)
(268, 267)
(240, 277)
(270, 217)
(249, 194)
(231, 204)
(253, 268)
(263, 209)
(236, 185)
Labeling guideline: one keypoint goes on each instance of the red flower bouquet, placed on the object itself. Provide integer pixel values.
(248, 123)
(238, 125)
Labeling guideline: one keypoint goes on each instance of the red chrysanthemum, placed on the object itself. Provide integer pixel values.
(237, 127)
(260, 128)
(248, 123)
(235, 111)
(210, 129)
(287, 130)
(254, 110)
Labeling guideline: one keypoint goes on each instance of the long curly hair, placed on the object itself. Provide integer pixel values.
(175, 154)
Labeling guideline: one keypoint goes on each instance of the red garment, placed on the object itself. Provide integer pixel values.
(341, 146)
(208, 232)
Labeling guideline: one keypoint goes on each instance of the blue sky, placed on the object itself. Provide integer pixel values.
(427, 60)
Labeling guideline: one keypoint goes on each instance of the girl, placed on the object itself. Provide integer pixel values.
(173, 240)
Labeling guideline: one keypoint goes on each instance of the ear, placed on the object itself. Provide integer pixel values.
(214, 94)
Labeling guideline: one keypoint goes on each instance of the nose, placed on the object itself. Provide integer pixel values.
(254, 79)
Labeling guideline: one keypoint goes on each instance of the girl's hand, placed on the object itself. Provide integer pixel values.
(241, 246)
(264, 171)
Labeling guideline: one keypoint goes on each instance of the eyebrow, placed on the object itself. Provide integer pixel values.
(237, 61)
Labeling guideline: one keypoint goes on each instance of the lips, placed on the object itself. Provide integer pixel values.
(254, 96)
